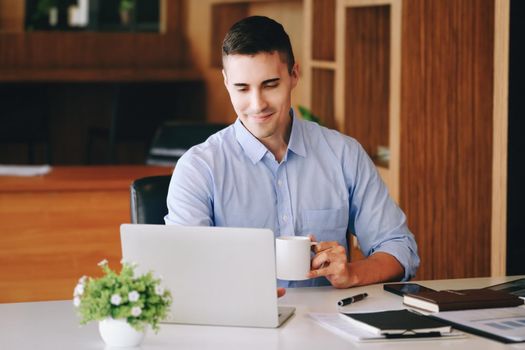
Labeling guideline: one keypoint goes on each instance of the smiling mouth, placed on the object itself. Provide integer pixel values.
(261, 117)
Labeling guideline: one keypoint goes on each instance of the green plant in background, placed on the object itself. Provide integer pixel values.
(126, 5)
(308, 115)
(126, 10)
(140, 300)
(43, 7)
(41, 13)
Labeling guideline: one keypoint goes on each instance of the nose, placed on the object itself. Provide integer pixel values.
(258, 102)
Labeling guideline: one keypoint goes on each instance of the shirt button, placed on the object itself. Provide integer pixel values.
(280, 182)
(285, 218)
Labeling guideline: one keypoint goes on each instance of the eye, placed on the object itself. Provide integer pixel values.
(242, 88)
(271, 85)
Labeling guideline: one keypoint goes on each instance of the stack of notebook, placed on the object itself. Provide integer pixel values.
(491, 313)
(447, 300)
(385, 325)
(399, 324)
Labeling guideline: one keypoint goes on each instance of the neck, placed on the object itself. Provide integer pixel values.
(278, 144)
(278, 149)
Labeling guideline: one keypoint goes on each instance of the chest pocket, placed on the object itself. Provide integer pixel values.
(325, 224)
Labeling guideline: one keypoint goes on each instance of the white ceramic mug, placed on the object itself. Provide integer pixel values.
(293, 257)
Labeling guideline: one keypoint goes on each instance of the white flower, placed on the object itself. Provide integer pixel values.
(103, 263)
(76, 301)
(116, 299)
(136, 311)
(159, 290)
(79, 289)
(133, 296)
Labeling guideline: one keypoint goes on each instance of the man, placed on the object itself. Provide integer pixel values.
(273, 170)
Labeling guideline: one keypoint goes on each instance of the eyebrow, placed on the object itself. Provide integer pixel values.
(263, 83)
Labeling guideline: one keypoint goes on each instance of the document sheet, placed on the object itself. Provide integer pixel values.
(507, 322)
(24, 170)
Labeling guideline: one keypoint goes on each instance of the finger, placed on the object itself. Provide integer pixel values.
(335, 271)
(319, 260)
(320, 246)
(312, 237)
(319, 272)
(281, 292)
(329, 256)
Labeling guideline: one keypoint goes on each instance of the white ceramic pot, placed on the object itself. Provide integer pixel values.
(118, 333)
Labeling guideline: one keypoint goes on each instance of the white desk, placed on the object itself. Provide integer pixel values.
(54, 325)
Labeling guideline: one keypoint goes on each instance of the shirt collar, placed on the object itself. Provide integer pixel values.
(255, 150)
(296, 142)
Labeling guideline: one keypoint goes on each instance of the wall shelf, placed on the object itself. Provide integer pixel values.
(324, 64)
(98, 75)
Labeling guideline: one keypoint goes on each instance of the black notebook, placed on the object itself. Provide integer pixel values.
(399, 323)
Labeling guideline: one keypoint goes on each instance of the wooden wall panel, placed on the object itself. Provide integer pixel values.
(69, 232)
(367, 72)
(53, 50)
(12, 15)
(323, 96)
(92, 50)
(173, 16)
(323, 31)
(223, 16)
(446, 133)
(57, 227)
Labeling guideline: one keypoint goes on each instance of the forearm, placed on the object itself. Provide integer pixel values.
(378, 267)
(331, 262)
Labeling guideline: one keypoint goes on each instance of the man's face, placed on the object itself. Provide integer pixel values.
(260, 89)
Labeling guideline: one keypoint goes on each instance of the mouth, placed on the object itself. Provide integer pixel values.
(261, 117)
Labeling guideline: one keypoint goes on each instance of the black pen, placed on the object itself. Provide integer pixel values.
(351, 300)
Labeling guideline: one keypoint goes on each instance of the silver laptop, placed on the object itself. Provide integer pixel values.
(216, 275)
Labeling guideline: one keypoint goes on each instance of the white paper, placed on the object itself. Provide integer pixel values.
(24, 170)
(507, 322)
(335, 323)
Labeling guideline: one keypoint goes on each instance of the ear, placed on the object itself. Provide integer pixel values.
(225, 78)
(295, 74)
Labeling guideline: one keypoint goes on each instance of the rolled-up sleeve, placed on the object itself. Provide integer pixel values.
(376, 220)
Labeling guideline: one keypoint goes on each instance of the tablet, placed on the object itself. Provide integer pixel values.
(405, 288)
(516, 287)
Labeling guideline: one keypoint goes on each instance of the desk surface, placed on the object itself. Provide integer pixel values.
(53, 325)
(81, 178)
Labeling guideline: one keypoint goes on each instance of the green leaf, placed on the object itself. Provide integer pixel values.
(306, 114)
(95, 302)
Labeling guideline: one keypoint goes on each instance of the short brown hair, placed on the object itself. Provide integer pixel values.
(256, 34)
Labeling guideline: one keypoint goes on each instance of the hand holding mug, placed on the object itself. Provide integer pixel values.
(331, 262)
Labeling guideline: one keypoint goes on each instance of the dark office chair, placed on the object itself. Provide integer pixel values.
(137, 110)
(148, 199)
(172, 139)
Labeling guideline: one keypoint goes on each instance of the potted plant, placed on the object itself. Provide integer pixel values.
(126, 10)
(124, 304)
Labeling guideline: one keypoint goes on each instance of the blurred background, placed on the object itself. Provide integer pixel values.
(432, 89)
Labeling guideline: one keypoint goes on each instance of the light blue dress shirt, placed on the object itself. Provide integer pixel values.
(325, 185)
